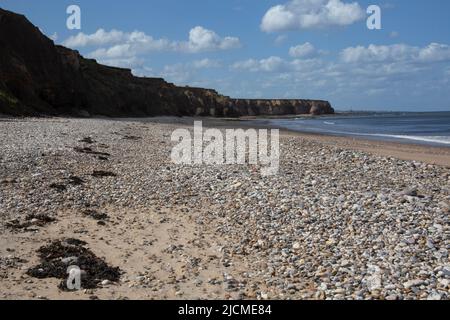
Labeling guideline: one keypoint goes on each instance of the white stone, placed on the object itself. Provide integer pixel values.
(412, 283)
(434, 296)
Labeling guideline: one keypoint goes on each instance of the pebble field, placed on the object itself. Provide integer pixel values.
(333, 224)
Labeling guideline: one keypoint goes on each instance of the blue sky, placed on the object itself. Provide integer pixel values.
(319, 49)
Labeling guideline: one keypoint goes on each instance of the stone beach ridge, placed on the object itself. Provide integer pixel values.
(335, 223)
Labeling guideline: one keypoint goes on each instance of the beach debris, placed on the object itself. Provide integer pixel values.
(95, 215)
(60, 254)
(75, 181)
(38, 220)
(133, 138)
(411, 192)
(8, 181)
(88, 150)
(87, 140)
(62, 186)
(9, 262)
(103, 174)
(58, 187)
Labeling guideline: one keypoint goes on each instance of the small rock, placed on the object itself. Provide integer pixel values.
(264, 296)
(412, 192)
(434, 296)
(346, 263)
(413, 283)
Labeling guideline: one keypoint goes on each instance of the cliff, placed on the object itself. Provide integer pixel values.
(38, 77)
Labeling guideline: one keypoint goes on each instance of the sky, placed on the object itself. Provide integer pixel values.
(312, 49)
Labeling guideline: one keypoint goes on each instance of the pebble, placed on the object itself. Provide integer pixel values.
(264, 296)
(434, 296)
(413, 283)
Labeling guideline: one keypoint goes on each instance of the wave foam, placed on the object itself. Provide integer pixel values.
(433, 139)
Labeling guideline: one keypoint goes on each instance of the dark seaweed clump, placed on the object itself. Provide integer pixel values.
(59, 255)
(38, 220)
(103, 174)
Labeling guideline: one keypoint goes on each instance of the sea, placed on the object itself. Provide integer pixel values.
(430, 128)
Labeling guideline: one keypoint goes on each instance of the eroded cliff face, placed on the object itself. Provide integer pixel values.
(278, 107)
(38, 77)
(210, 103)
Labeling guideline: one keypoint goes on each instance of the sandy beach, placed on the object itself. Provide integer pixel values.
(344, 218)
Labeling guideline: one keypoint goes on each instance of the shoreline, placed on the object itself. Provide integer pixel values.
(407, 150)
(410, 151)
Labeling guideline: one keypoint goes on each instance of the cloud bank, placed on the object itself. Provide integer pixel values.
(116, 44)
(311, 14)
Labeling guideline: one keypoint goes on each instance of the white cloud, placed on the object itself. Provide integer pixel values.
(206, 63)
(250, 65)
(271, 64)
(306, 65)
(137, 43)
(277, 64)
(279, 40)
(434, 52)
(201, 40)
(302, 51)
(117, 44)
(310, 14)
(99, 38)
(376, 53)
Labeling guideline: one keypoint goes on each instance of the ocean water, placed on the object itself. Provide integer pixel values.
(431, 128)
